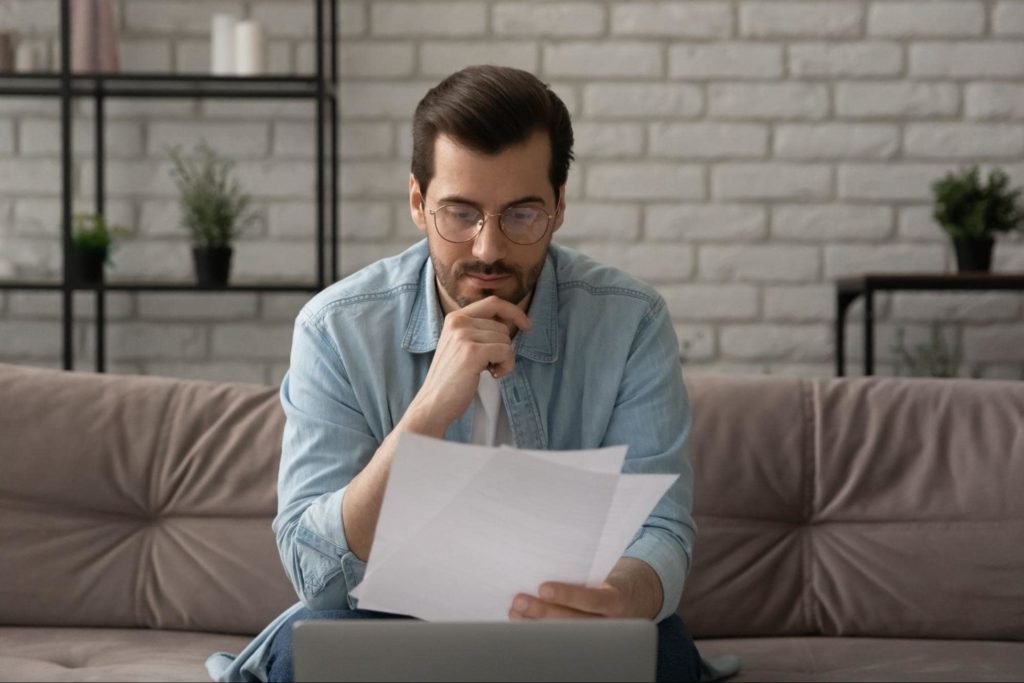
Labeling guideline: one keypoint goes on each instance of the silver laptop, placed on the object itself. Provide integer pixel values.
(408, 650)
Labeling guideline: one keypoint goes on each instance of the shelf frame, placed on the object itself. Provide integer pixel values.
(69, 87)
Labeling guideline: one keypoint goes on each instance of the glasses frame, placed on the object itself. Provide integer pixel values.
(483, 221)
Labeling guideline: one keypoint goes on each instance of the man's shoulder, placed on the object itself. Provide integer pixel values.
(581, 275)
(385, 280)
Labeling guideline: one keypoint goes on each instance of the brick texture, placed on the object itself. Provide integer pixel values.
(739, 155)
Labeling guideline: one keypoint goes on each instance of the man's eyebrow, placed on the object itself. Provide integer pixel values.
(459, 199)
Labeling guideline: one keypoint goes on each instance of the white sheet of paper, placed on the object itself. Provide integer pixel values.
(635, 495)
(464, 528)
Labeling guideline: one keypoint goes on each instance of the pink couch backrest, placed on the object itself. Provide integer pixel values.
(844, 507)
(857, 507)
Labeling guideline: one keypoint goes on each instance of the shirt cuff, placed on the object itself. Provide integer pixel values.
(670, 566)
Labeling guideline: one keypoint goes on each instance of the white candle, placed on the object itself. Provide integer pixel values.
(222, 48)
(249, 48)
(25, 57)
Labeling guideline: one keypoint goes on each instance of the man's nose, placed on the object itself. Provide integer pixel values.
(489, 244)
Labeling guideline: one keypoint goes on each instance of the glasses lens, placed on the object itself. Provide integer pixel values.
(457, 222)
(524, 224)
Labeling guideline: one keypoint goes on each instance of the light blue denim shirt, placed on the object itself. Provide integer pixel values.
(599, 368)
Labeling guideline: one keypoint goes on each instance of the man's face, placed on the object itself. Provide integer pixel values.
(491, 263)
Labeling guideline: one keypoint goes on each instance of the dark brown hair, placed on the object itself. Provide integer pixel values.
(488, 109)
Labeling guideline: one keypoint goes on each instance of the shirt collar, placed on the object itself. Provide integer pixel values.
(539, 344)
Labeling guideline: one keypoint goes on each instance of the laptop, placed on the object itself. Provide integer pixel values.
(410, 650)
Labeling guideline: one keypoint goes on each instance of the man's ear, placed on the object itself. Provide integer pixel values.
(559, 210)
(417, 205)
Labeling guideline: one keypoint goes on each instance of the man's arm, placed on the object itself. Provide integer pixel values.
(473, 339)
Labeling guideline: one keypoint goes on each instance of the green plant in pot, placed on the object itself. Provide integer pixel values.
(973, 212)
(214, 210)
(92, 243)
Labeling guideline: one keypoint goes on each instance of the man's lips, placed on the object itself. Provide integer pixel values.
(486, 279)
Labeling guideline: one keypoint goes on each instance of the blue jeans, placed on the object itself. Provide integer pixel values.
(678, 659)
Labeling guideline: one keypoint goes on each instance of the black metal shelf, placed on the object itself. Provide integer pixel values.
(127, 286)
(141, 85)
(66, 86)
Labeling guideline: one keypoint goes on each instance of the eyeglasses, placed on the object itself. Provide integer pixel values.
(462, 223)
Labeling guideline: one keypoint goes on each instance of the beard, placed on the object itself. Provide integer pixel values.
(448, 277)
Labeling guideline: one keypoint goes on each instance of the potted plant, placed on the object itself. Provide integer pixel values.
(92, 242)
(972, 212)
(214, 208)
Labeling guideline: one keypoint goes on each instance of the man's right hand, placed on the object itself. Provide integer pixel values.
(474, 338)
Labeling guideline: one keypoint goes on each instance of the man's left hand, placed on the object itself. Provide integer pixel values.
(569, 601)
(632, 590)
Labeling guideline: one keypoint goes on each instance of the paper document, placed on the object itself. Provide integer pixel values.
(463, 528)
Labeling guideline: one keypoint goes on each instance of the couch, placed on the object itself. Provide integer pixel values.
(849, 529)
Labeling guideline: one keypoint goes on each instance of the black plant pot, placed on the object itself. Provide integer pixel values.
(213, 265)
(973, 255)
(86, 264)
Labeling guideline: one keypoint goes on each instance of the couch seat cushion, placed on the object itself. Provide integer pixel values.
(869, 659)
(108, 654)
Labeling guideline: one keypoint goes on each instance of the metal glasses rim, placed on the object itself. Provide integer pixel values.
(483, 220)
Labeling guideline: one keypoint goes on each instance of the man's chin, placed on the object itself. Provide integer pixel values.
(471, 295)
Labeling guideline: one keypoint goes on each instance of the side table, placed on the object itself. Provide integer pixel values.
(850, 288)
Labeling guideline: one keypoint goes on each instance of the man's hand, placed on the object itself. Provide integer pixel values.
(568, 601)
(633, 590)
(474, 338)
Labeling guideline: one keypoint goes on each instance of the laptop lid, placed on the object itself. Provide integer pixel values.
(410, 650)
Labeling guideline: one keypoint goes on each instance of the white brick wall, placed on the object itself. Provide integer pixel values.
(738, 154)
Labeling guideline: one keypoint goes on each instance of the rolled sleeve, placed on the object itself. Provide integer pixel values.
(326, 442)
(652, 414)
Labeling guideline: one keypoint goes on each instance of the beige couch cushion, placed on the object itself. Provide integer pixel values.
(102, 654)
(869, 659)
(138, 501)
(864, 507)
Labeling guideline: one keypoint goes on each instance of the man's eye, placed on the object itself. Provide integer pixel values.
(523, 215)
(459, 213)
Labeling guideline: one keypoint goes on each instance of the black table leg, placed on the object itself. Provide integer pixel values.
(843, 301)
(869, 332)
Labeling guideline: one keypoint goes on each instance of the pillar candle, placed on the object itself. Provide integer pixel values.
(249, 48)
(25, 58)
(222, 48)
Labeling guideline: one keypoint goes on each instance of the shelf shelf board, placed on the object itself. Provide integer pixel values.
(165, 85)
(266, 287)
(258, 287)
(30, 284)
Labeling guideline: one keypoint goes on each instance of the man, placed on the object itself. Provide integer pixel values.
(488, 333)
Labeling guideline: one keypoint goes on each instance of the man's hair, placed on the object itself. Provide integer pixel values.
(488, 109)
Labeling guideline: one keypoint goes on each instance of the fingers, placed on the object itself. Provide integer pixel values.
(465, 322)
(496, 308)
(604, 600)
(567, 601)
(528, 607)
(501, 359)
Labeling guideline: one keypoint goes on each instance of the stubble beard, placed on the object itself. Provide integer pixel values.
(448, 277)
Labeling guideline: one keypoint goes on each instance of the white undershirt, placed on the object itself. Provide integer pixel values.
(490, 423)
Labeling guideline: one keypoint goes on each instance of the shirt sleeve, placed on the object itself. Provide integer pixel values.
(326, 442)
(652, 414)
